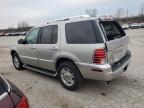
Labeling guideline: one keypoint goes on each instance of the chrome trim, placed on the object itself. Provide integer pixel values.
(50, 61)
(33, 58)
(46, 60)
(3, 96)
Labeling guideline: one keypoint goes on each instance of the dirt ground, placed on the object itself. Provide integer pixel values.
(127, 91)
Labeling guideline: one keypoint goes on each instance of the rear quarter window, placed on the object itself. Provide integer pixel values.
(81, 32)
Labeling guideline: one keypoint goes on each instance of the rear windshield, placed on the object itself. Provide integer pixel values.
(112, 29)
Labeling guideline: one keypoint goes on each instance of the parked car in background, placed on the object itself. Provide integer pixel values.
(135, 26)
(74, 49)
(11, 96)
(2, 34)
(23, 33)
(13, 34)
(6, 34)
(125, 26)
(16, 33)
(142, 25)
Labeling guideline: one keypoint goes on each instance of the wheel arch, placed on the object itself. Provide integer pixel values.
(63, 59)
(13, 52)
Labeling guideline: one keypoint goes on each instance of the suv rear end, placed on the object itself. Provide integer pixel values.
(98, 47)
(116, 45)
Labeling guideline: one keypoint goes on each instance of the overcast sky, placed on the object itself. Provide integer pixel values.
(37, 12)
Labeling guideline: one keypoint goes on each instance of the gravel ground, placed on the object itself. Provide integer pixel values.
(127, 91)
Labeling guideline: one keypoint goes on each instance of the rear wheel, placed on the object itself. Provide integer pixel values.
(17, 62)
(70, 76)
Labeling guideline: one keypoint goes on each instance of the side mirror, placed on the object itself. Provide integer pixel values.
(21, 41)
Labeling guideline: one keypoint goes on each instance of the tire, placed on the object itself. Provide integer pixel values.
(69, 75)
(17, 62)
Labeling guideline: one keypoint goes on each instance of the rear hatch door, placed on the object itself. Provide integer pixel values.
(116, 40)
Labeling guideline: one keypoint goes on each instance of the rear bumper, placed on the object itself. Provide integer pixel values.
(105, 72)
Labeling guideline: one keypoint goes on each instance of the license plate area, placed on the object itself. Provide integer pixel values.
(119, 53)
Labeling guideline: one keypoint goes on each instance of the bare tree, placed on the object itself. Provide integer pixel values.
(91, 12)
(23, 24)
(119, 13)
(11, 27)
(127, 13)
(142, 9)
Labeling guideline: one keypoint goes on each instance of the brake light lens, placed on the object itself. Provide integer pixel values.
(23, 103)
(99, 56)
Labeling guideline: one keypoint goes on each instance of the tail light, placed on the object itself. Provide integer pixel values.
(23, 103)
(99, 56)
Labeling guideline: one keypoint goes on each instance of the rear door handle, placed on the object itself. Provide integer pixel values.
(54, 48)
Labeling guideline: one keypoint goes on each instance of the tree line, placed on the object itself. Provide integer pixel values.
(121, 15)
(21, 27)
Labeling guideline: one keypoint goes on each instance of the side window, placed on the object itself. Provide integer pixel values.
(2, 85)
(49, 34)
(46, 34)
(2, 90)
(32, 36)
(55, 34)
(80, 33)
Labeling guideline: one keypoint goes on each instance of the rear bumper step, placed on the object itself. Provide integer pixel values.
(118, 64)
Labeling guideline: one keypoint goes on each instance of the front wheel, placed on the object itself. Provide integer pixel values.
(17, 62)
(70, 76)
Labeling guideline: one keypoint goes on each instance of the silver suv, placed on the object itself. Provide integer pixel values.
(74, 49)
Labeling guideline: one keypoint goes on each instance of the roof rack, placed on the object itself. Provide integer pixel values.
(65, 19)
(106, 18)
